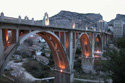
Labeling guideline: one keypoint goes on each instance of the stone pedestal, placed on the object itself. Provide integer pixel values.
(61, 77)
(87, 65)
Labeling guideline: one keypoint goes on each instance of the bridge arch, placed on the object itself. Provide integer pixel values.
(53, 41)
(85, 44)
(98, 43)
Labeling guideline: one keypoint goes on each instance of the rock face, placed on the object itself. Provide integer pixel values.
(118, 17)
(65, 19)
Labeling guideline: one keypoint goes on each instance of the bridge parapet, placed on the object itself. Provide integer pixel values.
(19, 20)
(32, 22)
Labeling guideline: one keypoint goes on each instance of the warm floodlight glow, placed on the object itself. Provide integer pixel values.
(86, 28)
(67, 44)
(74, 25)
(86, 42)
(46, 19)
(7, 37)
(98, 52)
(96, 56)
(62, 66)
(47, 22)
(61, 70)
(86, 54)
(94, 29)
(97, 39)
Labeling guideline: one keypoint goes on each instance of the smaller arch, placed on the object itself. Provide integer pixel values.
(46, 19)
(85, 45)
(98, 43)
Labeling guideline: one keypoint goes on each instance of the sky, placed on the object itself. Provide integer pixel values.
(36, 8)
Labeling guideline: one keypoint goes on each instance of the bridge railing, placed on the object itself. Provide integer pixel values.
(32, 22)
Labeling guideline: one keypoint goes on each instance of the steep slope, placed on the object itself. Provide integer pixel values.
(66, 18)
(118, 17)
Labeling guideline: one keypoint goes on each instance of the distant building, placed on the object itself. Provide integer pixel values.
(118, 28)
(102, 25)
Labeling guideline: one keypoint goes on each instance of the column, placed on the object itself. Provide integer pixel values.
(71, 60)
(17, 35)
(93, 44)
(1, 48)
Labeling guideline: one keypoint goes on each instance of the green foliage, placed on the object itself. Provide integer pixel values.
(97, 66)
(36, 69)
(5, 80)
(77, 66)
(120, 42)
(114, 66)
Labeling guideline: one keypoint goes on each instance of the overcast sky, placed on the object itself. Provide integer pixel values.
(37, 8)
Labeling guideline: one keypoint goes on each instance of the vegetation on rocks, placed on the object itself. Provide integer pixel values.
(114, 65)
(37, 69)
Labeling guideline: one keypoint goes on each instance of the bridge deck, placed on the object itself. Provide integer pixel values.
(29, 25)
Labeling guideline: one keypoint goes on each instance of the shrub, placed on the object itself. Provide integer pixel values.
(36, 69)
(114, 65)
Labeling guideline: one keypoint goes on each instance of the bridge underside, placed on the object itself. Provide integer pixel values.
(62, 43)
(86, 45)
(98, 45)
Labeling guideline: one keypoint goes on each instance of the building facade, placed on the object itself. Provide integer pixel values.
(118, 29)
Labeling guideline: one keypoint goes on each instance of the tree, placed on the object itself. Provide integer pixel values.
(114, 65)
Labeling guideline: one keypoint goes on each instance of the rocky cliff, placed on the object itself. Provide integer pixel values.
(67, 18)
(118, 17)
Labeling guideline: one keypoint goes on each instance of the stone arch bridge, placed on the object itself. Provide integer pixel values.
(62, 41)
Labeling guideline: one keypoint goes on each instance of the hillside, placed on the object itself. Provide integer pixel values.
(66, 18)
(118, 17)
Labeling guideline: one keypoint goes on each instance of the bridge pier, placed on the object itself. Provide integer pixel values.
(62, 76)
(88, 65)
(93, 44)
(17, 35)
(67, 75)
(1, 48)
(71, 59)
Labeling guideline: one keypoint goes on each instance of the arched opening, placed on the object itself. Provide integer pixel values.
(98, 45)
(85, 45)
(58, 53)
(54, 44)
(56, 47)
(83, 62)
